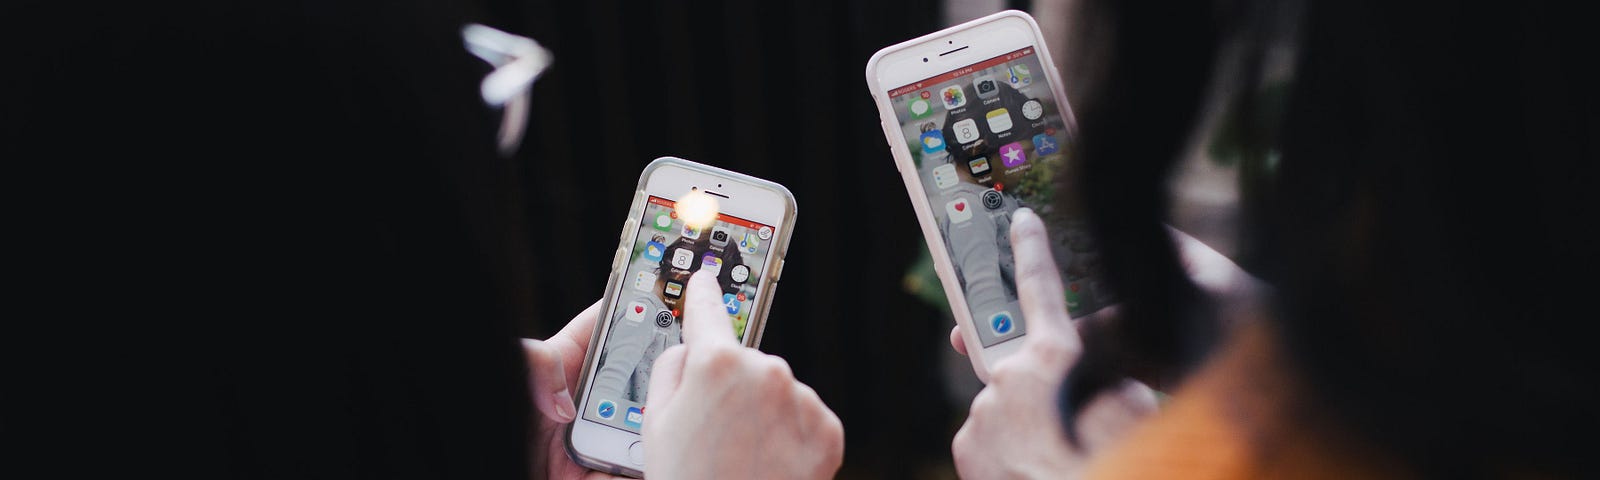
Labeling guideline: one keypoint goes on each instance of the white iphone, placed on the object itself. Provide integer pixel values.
(978, 125)
(685, 217)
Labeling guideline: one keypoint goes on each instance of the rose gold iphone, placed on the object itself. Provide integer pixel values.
(978, 125)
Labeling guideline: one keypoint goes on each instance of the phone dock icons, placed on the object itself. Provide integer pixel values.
(634, 418)
(1001, 323)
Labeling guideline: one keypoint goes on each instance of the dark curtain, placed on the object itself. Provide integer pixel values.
(265, 230)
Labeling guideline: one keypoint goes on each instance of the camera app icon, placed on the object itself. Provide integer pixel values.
(719, 237)
(986, 86)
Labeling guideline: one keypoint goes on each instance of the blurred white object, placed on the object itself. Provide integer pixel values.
(518, 61)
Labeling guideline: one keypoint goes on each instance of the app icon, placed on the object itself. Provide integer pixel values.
(978, 165)
(690, 232)
(1020, 77)
(944, 176)
(709, 262)
(653, 251)
(682, 258)
(731, 302)
(1044, 144)
(959, 210)
(719, 236)
(1011, 155)
(634, 311)
(740, 273)
(634, 418)
(749, 243)
(1001, 323)
(1032, 110)
(663, 319)
(919, 108)
(606, 409)
(645, 281)
(673, 290)
(953, 96)
(932, 142)
(664, 221)
(992, 200)
(999, 120)
(764, 233)
(966, 131)
(986, 86)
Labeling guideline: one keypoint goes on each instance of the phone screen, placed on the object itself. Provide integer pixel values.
(987, 139)
(649, 301)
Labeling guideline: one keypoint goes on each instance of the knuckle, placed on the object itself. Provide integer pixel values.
(835, 447)
(833, 430)
(1051, 351)
(717, 360)
(771, 381)
(1003, 374)
(774, 368)
(982, 403)
(537, 350)
(961, 447)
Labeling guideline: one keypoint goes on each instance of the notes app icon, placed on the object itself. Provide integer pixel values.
(999, 120)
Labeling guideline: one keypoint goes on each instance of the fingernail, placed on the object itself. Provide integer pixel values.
(1023, 212)
(563, 402)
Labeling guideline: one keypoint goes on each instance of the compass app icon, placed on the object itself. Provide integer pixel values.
(1001, 323)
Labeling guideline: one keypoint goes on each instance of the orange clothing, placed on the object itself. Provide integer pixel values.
(1235, 419)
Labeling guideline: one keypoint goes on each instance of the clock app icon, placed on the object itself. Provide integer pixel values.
(1032, 110)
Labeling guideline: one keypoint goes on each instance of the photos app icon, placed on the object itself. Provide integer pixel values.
(953, 96)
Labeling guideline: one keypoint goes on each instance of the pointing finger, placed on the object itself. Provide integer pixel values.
(1039, 285)
(705, 320)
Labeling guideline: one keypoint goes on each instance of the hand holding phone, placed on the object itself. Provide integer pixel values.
(676, 227)
(553, 367)
(720, 410)
(977, 122)
(995, 441)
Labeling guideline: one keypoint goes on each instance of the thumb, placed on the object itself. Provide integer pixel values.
(548, 382)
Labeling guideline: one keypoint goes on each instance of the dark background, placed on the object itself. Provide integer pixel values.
(774, 90)
(258, 228)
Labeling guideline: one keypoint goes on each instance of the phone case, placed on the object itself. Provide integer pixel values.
(755, 327)
(903, 163)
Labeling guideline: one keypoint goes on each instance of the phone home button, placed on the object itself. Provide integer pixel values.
(636, 453)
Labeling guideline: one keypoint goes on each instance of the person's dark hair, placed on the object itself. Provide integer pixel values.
(1418, 209)
(1143, 77)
